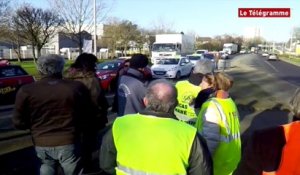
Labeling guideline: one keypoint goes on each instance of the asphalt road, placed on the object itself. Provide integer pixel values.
(280, 69)
(262, 90)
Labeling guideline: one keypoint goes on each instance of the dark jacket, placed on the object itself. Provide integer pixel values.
(55, 110)
(262, 152)
(199, 159)
(203, 96)
(131, 91)
(98, 96)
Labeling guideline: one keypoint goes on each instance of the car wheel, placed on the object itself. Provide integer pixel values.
(178, 75)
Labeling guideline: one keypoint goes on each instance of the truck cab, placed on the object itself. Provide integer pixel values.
(167, 50)
(171, 45)
(230, 48)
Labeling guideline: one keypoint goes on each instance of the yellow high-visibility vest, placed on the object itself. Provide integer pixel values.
(187, 93)
(152, 145)
(228, 154)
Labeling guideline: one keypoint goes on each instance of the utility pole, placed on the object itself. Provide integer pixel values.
(95, 30)
(291, 40)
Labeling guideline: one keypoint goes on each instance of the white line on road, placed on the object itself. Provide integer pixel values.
(272, 66)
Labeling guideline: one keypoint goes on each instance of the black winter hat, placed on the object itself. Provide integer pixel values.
(138, 61)
(195, 78)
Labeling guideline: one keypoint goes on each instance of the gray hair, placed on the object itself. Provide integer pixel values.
(162, 96)
(203, 66)
(51, 64)
(295, 103)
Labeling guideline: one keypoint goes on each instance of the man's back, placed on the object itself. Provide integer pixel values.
(131, 91)
(53, 109)
(155, 153)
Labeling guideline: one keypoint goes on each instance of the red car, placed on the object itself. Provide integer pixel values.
(12, 77)
(108, 71)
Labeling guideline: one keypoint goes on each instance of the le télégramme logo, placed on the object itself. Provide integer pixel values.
(264, 12)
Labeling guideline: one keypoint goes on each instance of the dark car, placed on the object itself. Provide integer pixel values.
(12, 77)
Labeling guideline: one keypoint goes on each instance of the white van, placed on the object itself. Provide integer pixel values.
(201, 51)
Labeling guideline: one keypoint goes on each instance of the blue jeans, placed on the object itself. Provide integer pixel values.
(66, 156)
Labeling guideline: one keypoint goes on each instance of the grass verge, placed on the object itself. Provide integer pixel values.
(30, 66)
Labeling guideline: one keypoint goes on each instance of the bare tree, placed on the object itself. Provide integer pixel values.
(78, 16)
(253, 42)
(37, 26)
(161, 26)
(4, 15)
(4, 7)
(11, 35)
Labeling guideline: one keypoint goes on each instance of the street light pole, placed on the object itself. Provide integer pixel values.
(95, 30)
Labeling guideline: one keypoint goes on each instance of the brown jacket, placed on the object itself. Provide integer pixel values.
(93, 84)
(55, 110)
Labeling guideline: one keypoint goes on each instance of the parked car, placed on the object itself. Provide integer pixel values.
(273, 57)
(4, 62)
(265, 54)
(243, 51)
(172, 68)
(194, 58)
(12, 77)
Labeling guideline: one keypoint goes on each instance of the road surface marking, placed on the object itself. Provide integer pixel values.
(272, 66)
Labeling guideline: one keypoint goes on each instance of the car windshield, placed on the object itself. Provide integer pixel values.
(109, 66)
(164, 47)
(194, 57)
(11, 71)
(209, 56)
(168, 61)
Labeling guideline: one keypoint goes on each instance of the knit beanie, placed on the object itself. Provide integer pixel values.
(195, 79)
(138, 61)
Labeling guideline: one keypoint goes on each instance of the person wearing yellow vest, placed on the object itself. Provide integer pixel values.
(275, 150)
(189, 89)
(154, 141)
(218, 123)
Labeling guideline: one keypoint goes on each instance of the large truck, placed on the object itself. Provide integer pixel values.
(230, 48)
(171, 45)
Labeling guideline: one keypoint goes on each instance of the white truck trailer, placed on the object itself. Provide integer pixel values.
(171, 45)
(230, 48)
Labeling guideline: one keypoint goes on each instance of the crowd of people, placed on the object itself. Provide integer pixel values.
(191, 127)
